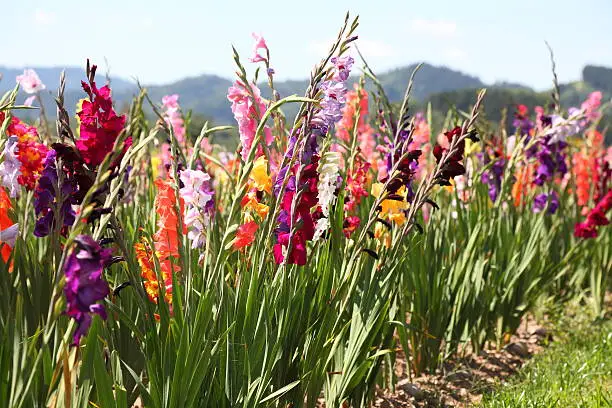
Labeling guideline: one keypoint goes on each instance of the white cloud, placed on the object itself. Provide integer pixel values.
(43, 17)
(438, 28)
(146, 22)
(369, 48)
(375, 48)
(319, 47)
(455, 53)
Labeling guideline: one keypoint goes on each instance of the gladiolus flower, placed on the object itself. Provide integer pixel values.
(166, 241)
(522, 123)
(549, 202)
(29, 151)
(350, 225)
(522, 185)
(356, 183)
(260, 44)
(395, 208)
(494, 175)
(329, 175)
(30, 82)
(247, 111)
(198, 197)
(591, 104)
(173, 118)
(46, 200)
(588, 164)
(259, 177)
(297, 256)
(595, 218)
(29, 100)
(9, 168)
(453, 166)
(245, 236)
(8, 229)
(85, 285)
(99, 124)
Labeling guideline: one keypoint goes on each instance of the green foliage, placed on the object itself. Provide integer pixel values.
(244, 330)
(575, 372)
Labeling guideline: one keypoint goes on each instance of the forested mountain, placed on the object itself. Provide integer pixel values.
(205, 95)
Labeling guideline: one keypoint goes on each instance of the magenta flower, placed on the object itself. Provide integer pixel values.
(595, 218)
(30, 82)
(100, 125)
(84, 283)
(260, 44)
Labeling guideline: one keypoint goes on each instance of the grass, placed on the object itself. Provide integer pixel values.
(576, 371)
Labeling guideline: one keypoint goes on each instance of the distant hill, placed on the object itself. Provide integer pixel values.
(206, 94)
(50, 76)
(598, 77)
(497, 99)
(429, 80)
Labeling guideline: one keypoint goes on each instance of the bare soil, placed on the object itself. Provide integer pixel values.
(462, 382)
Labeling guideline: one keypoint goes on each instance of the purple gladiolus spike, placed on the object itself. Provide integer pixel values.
(85, 285)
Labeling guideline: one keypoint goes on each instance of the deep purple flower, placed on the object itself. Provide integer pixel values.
(522, 123)
(45, 199)
(551, 159)
(543, 201)
(84, 283)
(493, 176)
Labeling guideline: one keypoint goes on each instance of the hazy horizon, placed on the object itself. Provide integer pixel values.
(159, 44)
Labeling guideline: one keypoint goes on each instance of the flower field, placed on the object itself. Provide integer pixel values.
(141, 261)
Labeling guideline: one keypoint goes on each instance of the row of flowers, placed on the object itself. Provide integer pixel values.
(342, 150)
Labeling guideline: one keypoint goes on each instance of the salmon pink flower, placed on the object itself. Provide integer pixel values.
(245, 236)
(166, 242)
(356, 180)
(247, 111)
(29, 151)
(173, 118)
(8, 229)
(591, 105)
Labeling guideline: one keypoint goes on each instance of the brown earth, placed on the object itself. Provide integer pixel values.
(461, 382)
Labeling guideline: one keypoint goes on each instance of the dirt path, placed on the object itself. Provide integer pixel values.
(461, 383)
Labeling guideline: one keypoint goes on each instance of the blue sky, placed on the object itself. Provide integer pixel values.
(161, 41)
